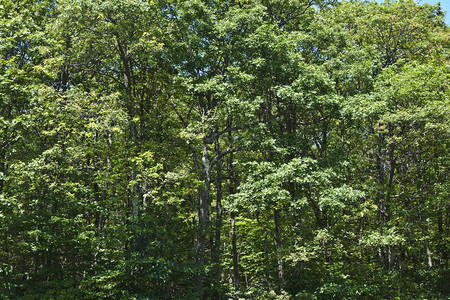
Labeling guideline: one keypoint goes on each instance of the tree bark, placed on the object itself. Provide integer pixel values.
(218, 225)
(127, 82)
(279, 247)
(203, 214)
(235, 255)
(232, 186)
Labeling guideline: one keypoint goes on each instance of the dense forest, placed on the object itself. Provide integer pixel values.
(224, 149)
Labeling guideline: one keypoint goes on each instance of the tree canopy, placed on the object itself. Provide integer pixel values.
(237, 149)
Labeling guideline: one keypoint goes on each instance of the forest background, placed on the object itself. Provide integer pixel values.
(243, 149)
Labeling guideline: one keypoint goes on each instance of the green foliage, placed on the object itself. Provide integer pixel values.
(224, 149)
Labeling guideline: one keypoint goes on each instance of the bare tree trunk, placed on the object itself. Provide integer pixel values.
(441, 233)
(218, 226)
(127, 82)
(266, 258)
(233, 184)
(203, 214)
(279, 246)
(235, 255)
(429, 260)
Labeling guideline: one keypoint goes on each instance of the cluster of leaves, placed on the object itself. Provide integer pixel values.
(255, 149)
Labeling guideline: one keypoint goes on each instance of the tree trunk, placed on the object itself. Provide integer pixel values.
(233, 184)
(429, 260)
(278, 246)
(235, 255)
(218, 226)
(203, 215)
(127, 81)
